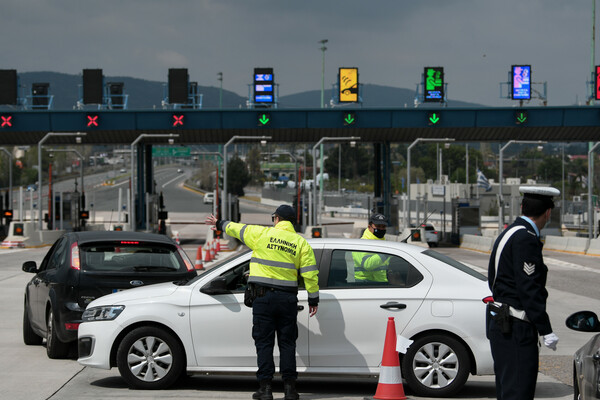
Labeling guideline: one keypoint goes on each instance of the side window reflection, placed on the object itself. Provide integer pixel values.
(363, 269)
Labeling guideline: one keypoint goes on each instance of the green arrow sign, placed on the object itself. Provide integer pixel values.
(434, 118)
(158, 151)
(349, 118)
(264, 119)
(521, 117)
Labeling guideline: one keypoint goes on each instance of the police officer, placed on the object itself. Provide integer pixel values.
(517, 278)
(279, 255)
(371, 266)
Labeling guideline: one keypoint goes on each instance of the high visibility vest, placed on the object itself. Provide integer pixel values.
(278, 255)
(370, 266)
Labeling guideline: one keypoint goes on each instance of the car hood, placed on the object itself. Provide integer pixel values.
(149, 292)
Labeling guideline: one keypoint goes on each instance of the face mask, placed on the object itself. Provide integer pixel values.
(379, 233)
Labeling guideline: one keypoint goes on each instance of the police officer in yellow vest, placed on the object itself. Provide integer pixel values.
(279, 255)
(372, 266)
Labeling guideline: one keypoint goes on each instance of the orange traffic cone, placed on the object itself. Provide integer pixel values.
(199, 263)
(390, 379)
(211, 248)
(206, 255)
(218, 245)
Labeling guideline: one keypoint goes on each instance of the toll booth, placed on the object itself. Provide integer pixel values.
(66, 212)
(465, 218)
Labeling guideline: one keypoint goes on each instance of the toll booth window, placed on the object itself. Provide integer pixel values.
(352, 269)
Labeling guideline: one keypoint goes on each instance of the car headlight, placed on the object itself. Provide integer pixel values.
(102, 313)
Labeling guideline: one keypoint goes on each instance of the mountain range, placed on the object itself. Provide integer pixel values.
(144, 94)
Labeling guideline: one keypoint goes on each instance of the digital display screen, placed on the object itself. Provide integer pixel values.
(263, 98)
(263, 77)
(434, 84)
(521, 82)
(263, 88)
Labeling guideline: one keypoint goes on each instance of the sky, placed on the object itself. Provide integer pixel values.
(389, 41)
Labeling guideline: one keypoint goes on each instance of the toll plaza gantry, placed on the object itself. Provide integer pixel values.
(381, 127)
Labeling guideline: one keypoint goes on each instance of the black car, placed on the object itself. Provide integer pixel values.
(83, 266)
(586, 360)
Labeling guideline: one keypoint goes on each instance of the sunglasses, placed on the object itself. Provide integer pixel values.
(273, 218)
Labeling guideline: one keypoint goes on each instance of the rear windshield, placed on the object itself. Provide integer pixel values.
(129, 256)
(453, 263)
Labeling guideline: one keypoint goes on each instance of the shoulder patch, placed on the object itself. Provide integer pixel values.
(529, 268)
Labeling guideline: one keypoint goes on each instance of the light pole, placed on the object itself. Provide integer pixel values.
(351, 139)
(135, 142)
(500, 173)
(323, 48)
(78, 155)
(10, 174)
(413, 144)
(78, 136)
(263, 140)
(590, 182)
(220, 79)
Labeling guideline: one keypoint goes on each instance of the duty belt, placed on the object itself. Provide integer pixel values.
(518, 314)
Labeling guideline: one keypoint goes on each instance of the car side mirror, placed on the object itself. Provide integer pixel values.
(583, 321)
(30, 266)
(216, 286)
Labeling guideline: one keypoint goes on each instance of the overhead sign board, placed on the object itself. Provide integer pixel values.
(521, 82)
(264, 83)
(434, 84)
(164, 151)
(348, 84)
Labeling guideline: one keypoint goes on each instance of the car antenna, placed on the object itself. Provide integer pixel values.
(405, 240)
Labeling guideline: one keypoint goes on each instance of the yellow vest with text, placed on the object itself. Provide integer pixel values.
(279, 254)
(369, 266)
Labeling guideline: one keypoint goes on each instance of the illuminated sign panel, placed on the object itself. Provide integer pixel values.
(597, 83)
(6, 121)
(521, 82)
(434, 84)
(177, 120)
(264, 83)
(92, 120)
(348, 85)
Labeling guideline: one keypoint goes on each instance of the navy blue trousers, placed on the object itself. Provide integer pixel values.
(275, 313)
(516, 359)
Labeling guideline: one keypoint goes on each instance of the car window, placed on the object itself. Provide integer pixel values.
(59, 255)
(237, 277)
(362, 269)
(455, 264)
(134, 256)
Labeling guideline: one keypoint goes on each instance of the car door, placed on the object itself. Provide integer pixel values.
(46, 277)
(350, 326)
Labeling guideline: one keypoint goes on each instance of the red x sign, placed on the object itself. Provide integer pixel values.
(6, 121)
(92, 120)
(177, 120)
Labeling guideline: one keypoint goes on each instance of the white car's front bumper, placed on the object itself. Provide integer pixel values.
(100, 346)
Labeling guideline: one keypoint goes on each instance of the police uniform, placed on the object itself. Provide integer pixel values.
(370, 266)
(517, 278)
(279, 255)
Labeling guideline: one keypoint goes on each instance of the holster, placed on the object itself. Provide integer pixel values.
(250, 294)
(501, 316)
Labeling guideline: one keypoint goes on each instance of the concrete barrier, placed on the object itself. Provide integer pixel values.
(556, 243)
(576, 245)
(25, 234)
(483, 244)
(593, 248)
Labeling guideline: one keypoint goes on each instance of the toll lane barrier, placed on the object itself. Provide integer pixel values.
(477, 243)
(593, 248)
(24, 234)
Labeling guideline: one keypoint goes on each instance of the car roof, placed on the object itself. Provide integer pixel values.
(329, 242)
(100, 236)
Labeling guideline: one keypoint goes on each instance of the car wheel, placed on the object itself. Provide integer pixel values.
(150, 358)
(30, 338)
(54, 347)
(436, 366)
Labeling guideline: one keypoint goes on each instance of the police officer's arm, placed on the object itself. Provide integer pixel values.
(247, 234)
(310, 273)
(371, 261)
(529, 272)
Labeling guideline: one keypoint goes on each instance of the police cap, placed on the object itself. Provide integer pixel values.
(286, 213)
(378, 219)
(542, 194)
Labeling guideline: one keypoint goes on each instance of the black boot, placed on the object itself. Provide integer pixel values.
(265, 392)
(289, 390)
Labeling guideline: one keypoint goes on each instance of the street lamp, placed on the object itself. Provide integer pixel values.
(135, 142)
(501, 172)
(40, 143)
(323, 48)
(590, 182)
(263, 140)
(413, 144)
(220, 79)
(10, 157)
(351, 139)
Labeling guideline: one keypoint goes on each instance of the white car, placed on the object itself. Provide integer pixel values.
(431, 235)
(209, 198)
(156, 333)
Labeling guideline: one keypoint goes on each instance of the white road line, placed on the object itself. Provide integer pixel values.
(174, 179)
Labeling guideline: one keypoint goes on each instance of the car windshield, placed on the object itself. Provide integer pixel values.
(453, 263)
(129, 256)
